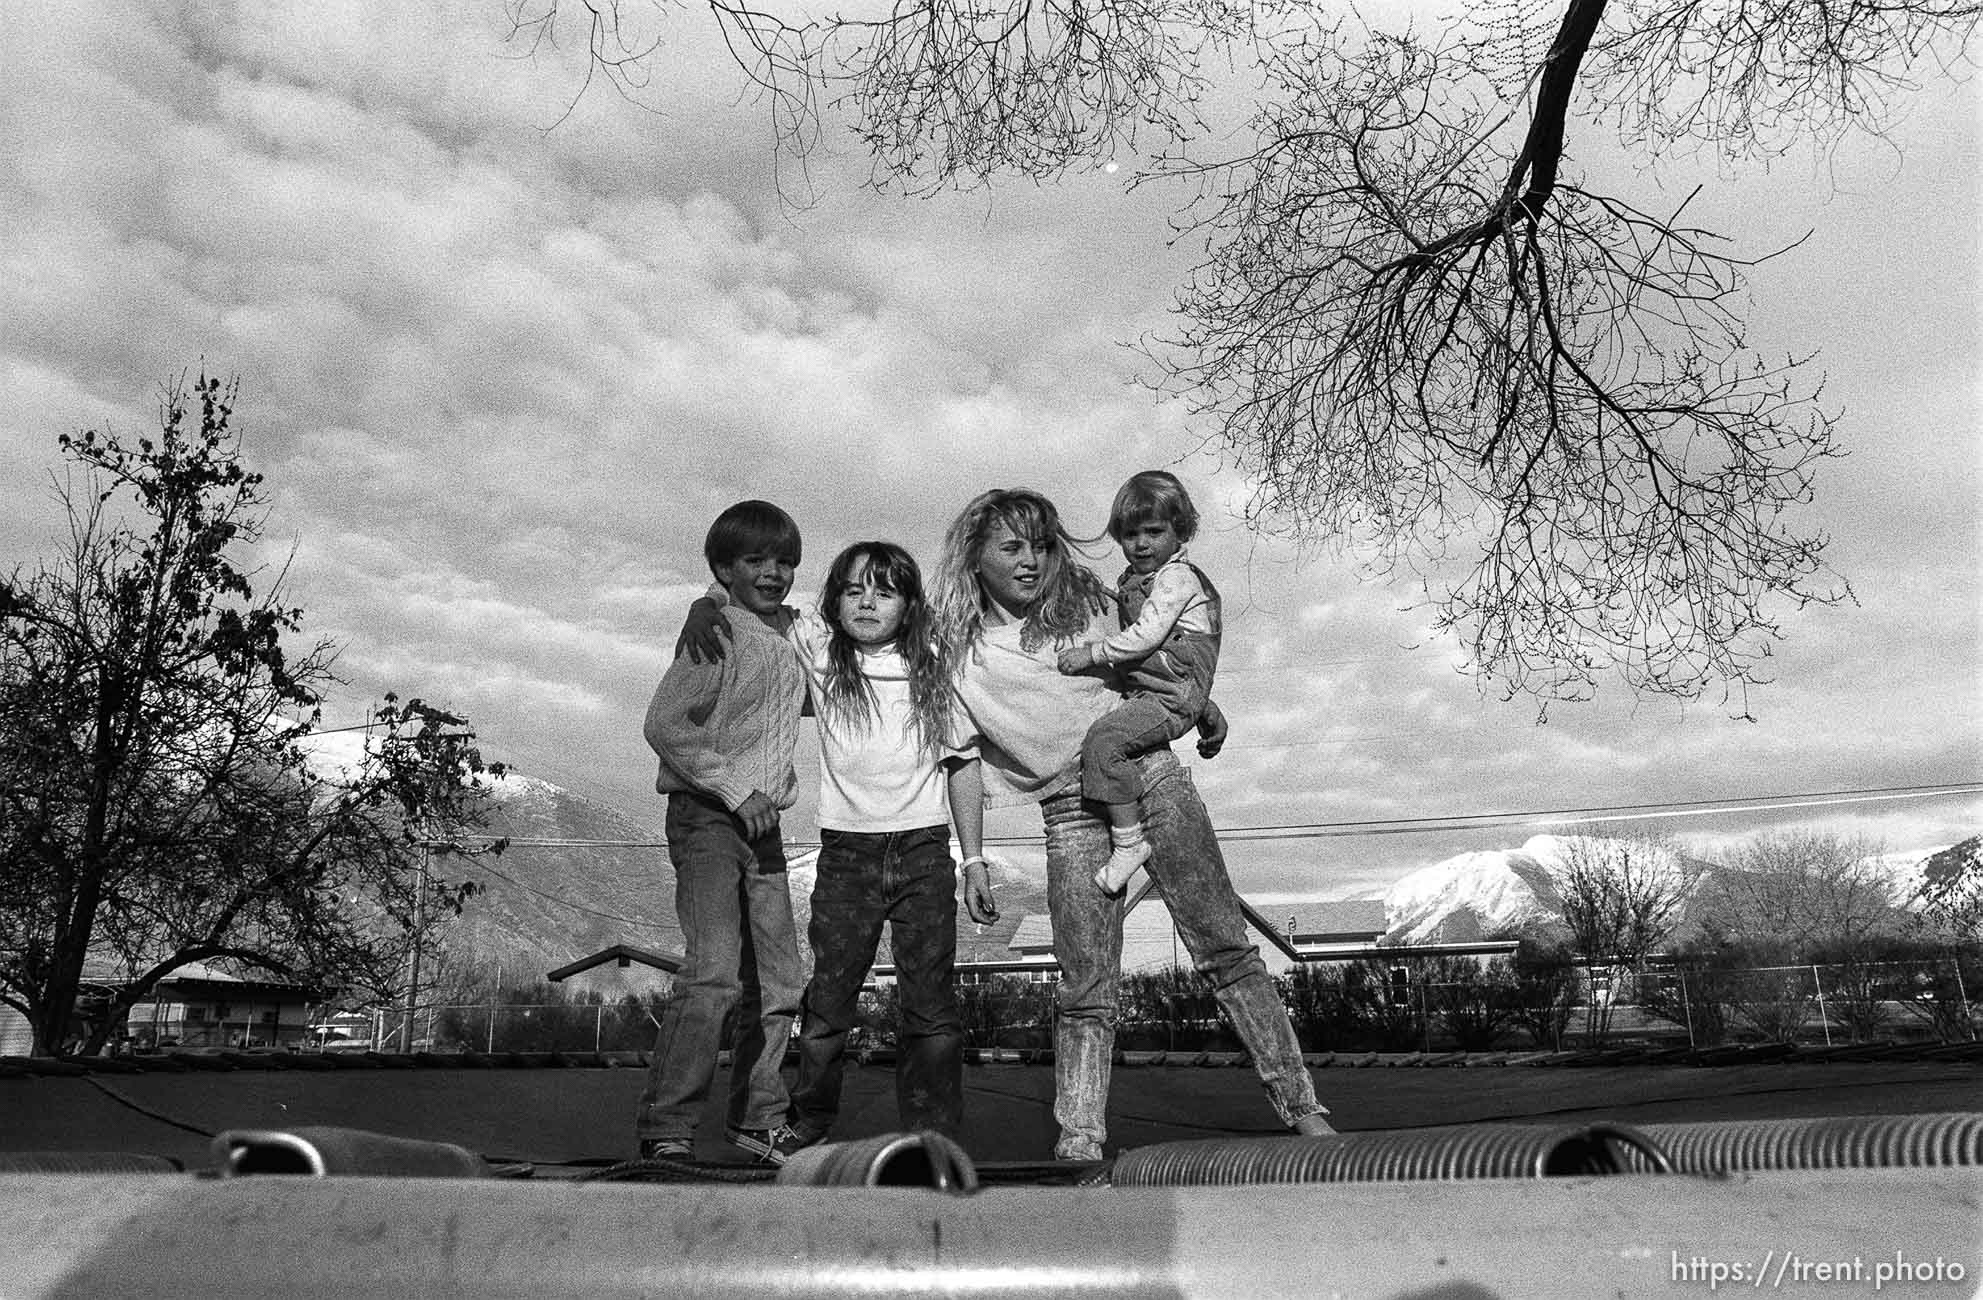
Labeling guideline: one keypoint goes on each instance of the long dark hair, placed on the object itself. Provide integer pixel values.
(847, 688)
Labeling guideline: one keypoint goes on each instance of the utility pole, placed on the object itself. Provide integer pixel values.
(413, 962)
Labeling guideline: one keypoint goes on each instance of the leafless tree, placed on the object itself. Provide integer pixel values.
(1622, 896)
(1414, 326)
(1801, 891)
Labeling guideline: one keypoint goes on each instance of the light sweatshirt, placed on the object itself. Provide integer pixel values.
(1022, 716)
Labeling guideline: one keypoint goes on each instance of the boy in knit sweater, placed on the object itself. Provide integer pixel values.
(726, 732)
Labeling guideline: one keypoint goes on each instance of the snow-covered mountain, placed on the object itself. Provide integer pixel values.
(543, 904)
(580, 876)
(1473, 895)
(1945, 871)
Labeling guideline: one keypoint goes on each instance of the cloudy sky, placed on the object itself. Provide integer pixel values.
(501, 362)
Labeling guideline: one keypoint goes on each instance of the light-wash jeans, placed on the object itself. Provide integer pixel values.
(1190, 874)
(734, 902)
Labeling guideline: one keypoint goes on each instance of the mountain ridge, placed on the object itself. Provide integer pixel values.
(602, 877)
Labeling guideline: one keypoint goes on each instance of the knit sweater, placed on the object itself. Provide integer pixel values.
(732, 726)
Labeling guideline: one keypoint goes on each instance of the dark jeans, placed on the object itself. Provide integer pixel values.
(1133, 728)
(907, 879)
(742, 951)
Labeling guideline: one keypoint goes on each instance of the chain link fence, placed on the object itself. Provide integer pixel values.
(1422, 1005)
(1829, 1003)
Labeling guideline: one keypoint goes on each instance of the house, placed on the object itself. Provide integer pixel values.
(203, 1006)
(1021, 944)
(1018, 946)
(197, 1005)
(1031, 959)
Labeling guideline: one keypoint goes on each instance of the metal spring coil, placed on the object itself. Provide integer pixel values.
(1475, 1151)
(1833, 1142)
(1524, 1151)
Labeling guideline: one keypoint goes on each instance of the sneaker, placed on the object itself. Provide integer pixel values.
(667, 1149)
(1124, 861)
(770, 1145)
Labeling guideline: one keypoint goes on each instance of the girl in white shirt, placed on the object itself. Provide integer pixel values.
(881, 690)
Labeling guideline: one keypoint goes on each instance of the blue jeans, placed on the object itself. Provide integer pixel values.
(1133, 728)
(742, 951)
(1190, 874)
(907, 879)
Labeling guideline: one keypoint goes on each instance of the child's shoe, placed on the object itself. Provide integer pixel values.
(1125, 860)
(667, 1149)
(770, 1145)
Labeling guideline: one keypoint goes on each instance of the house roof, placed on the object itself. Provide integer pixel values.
(104, 971)
(624, 955)
(1033, 935)
(1343, 920)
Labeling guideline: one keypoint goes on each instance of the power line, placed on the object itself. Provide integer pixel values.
(1605, 813)
(1325, 830)
(562, 902)
(1453, 822)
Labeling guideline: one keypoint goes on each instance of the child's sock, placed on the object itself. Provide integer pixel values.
(1130, 852)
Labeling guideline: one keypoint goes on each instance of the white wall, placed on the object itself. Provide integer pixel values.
(15, 1037)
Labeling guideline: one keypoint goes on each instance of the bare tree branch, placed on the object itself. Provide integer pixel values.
(1416, 329)
(1416, 342)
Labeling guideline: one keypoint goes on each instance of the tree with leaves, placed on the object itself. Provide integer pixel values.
(164, 797)
(1416, 326)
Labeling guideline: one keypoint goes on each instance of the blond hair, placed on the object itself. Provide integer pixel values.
(1069, 594)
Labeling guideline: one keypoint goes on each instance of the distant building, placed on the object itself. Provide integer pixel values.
(1308, 931)
(1321, 931)
(16, 1037)
(622, 970)
(1016, 947)
(203, 1006)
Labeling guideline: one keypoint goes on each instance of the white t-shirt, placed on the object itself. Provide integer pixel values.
(875, 774)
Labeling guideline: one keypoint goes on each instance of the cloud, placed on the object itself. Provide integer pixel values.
(502, 365)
